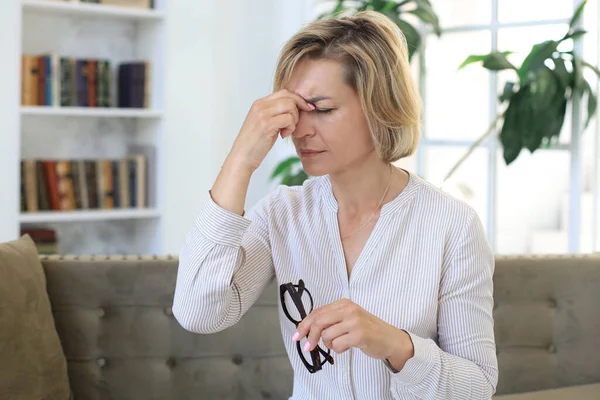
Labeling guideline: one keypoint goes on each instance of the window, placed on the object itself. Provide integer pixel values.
(525, 206)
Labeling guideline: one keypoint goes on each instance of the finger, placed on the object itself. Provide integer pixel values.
(285, 132)
(282, 106)
(283, 122)
(299, 100)
(333, 332)
(343, 343)
(321, 323)
(304, 326)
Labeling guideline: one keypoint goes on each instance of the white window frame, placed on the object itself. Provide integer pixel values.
(492, 144)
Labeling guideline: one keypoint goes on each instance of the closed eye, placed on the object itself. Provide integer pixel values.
(324, 110)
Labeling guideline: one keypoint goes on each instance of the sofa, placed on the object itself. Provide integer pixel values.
(117, 331)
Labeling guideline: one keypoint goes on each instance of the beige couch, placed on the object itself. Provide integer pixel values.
(113, 316)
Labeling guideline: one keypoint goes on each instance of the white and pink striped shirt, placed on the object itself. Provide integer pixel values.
(426, 268)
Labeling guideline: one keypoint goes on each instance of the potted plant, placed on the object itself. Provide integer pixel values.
(534, 104)
(289, 171)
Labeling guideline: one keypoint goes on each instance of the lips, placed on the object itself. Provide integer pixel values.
(310, 151)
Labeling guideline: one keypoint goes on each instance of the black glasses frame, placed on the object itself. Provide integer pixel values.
(296, 292)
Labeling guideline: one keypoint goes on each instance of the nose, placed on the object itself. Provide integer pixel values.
(305, 125)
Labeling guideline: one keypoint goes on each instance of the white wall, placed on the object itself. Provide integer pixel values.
(10, 19)
(219, 61)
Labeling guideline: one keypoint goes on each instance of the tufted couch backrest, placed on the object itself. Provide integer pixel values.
(113, 315)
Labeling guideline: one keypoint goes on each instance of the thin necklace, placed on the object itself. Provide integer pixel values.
(377, 209)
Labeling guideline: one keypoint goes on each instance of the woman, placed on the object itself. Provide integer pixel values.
(400, 273)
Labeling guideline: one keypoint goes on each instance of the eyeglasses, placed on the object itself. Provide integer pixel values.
(295, 293)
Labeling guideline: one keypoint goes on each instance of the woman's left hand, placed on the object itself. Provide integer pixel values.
(344, 324)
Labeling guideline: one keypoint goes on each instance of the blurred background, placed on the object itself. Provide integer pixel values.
(115, 117)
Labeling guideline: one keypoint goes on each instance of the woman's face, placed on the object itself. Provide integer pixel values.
(335, 136)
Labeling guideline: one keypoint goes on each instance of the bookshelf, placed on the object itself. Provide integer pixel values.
(46, 217)
(90, 112)
(76, 8)
(84, 31)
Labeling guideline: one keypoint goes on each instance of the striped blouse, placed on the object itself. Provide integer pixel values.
(426, 268)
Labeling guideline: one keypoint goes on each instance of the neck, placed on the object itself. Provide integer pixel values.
(358, 189)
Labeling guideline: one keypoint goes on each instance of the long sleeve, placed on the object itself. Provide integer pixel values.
(224, 266)
(464, 366)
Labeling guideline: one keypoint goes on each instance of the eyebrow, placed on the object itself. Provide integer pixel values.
(317, 99)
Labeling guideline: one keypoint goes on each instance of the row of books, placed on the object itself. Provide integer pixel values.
(62, 185)
(45, 239)
(52, 80)
(122, 3)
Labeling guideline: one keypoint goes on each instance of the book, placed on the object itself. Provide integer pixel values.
(84, 184)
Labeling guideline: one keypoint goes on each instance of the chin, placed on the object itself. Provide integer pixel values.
(315, 169)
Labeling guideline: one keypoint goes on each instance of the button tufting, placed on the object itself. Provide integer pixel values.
(552, 349)
(237, 359)
(169, 311)
(171, 362)
(552, 303)
(101, 362)
(101, 312)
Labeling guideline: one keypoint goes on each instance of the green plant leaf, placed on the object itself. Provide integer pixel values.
(508, 92)
(473, 59)
(285, 166)
(577, 81)
(592, 67)
(494, 61)
(592, 104)
(364, 6)
(545, 106)
(413, 38)
(426, 14)
(339, 7)
(497, 61)
(389, 6)
(560, 70)
(295, 180)
(577, 14)
(510, 136)
(576, 34)
(535, 59)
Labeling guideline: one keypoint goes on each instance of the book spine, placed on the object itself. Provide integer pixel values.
(43, 198)
(73, 82)
(82, 184)
(115, 184)
(56, 74)
(108, 189)
(31, 186)
(49, 81)
(41, 84)
(77, 201)
(51, 180)
(65, 69)
(23, 192)
(92, 81)
(91, 183)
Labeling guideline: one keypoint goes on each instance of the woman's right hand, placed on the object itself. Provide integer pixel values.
(268, 117)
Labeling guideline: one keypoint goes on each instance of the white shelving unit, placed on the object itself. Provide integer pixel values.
(90, 112)
(82, 30)
(75, 8)
(88, 215)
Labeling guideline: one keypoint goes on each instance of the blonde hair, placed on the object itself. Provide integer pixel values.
(374, 54)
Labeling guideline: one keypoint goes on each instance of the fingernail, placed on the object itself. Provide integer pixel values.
(295, 337)
(312, 106)
(306, 346)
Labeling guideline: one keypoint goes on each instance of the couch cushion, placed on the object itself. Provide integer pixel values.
(547, 322)
(580, 392)
(32, 364)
